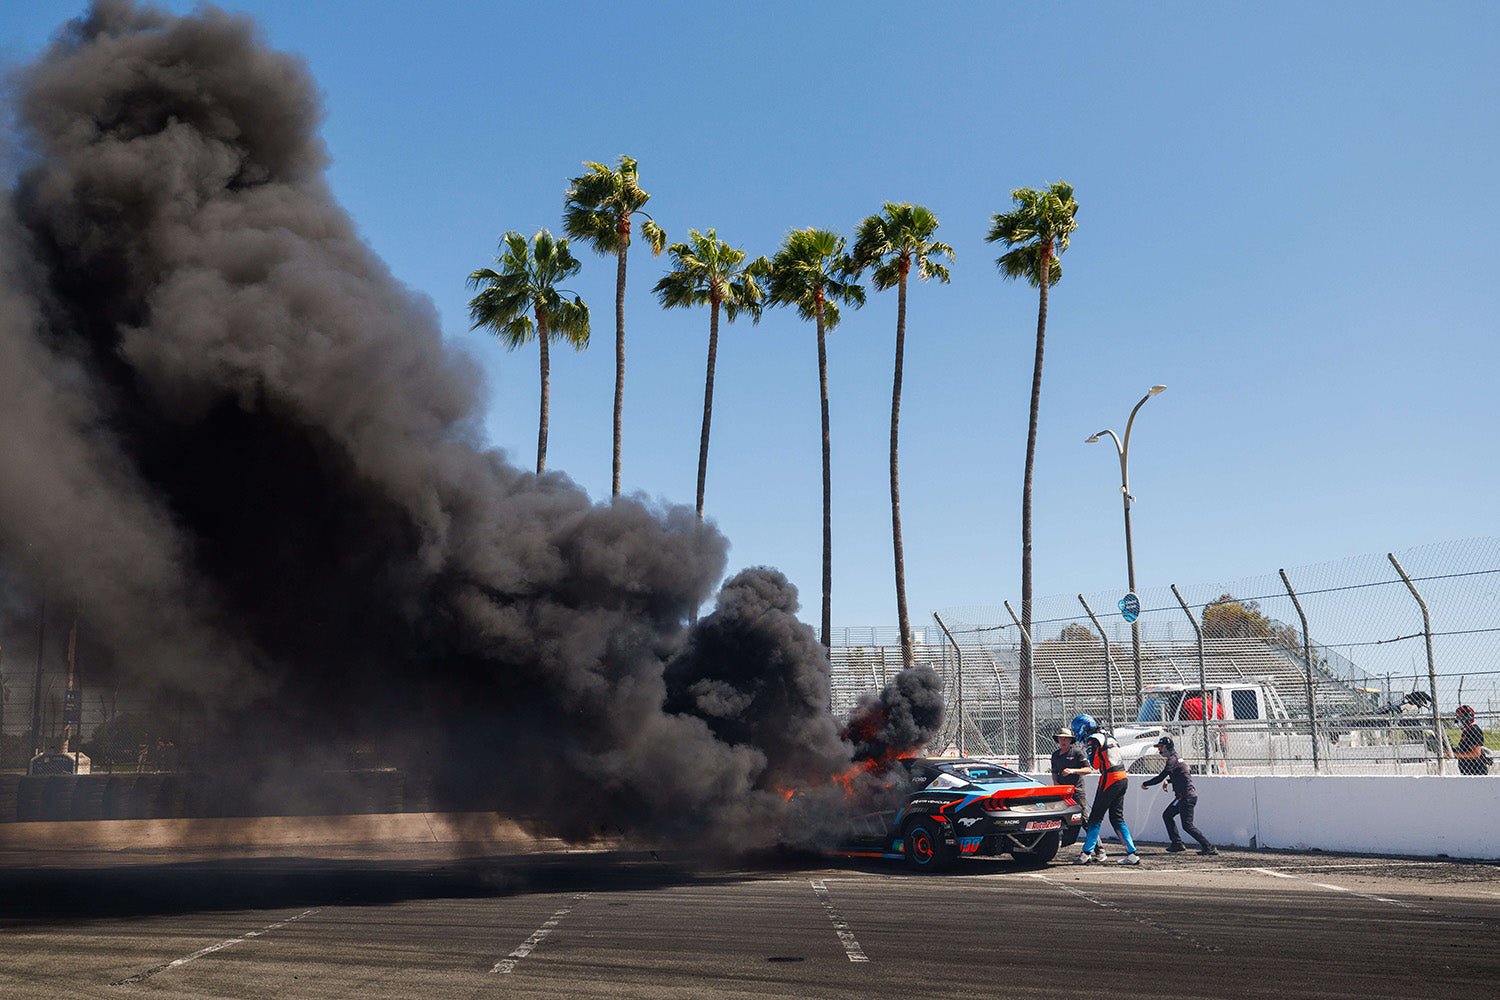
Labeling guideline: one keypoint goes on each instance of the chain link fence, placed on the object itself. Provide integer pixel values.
(1353, 691)
(1352, 667)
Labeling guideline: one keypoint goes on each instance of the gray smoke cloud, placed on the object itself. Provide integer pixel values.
(242, 451)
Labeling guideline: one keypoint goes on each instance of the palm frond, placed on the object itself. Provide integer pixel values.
(680, 289)
(655, 236)
(901, 231)
(593, 226)
(810, 261)
(568, 321)
(743, 292)
(599, 199)
(705, 268)
(887, 274)
(1042, 221)
(526, 280)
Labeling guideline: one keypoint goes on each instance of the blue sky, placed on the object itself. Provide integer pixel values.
(1287, 215)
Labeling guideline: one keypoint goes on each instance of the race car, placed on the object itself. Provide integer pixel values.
(966, 807)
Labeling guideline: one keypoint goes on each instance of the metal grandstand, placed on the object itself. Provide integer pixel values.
(1070, 677)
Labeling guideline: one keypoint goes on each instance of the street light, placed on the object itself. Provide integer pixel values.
(1123, 448)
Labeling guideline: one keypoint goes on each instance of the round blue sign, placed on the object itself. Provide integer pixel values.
(1130, 607)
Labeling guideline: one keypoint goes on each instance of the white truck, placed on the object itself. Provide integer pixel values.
(1251, 731)
(1248, 721)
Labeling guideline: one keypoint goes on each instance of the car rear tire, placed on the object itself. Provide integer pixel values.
(923, 846)
(1045, 850)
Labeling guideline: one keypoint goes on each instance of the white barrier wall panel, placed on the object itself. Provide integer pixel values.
(1418, 815)
(1414, 816)
(1226, 811)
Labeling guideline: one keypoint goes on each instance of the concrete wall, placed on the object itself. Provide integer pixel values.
(1415, 816)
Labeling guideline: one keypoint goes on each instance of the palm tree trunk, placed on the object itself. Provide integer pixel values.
(1025, 728)
(908, 657)
(619, 368)
(827, 620)
(541, 424)
(708, 400)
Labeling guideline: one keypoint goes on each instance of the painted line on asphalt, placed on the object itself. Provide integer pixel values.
(1362, 895)
(1268, 871)
(1143, 921)
(142, 976)
(1362, 864)
(840, 925)
(526, 947)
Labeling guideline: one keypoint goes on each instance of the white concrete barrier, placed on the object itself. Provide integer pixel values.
(1412, 816)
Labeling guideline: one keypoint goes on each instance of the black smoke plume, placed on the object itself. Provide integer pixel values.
(905, 714)
(240, 449)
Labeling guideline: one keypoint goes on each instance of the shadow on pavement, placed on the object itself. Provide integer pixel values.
(41, 895)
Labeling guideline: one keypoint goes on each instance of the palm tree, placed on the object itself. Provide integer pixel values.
(1036, 234)
(891, 243)
(526, 287)
(706, 269)
(812, 272)
(597, 210)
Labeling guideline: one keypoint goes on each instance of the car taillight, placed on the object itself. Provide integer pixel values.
(994, 805)
(1068, 800)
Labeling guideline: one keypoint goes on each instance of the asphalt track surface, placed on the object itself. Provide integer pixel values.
(373, 924)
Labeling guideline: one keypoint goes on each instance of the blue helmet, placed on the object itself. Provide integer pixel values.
(1082, 725)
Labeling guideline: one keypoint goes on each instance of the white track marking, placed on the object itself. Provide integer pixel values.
(840, 925)
(1314, 868)
(1360, 864)
(1143, 921)
(508, 963)
(1339, 888)
(141, 976)
(1270, 872)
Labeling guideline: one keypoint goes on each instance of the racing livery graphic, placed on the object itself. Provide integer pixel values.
(966, 808)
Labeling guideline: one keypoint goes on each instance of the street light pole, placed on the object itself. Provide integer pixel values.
(1122, 448)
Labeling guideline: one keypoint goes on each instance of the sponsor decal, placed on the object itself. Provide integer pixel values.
(1044, 824)
(968, 821)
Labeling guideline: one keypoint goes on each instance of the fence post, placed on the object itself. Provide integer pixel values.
(1437, 722)
(962, 751)
(36, 687)
(1312, 708)
(1029, 703)
(1109, 684)
(1208, 706)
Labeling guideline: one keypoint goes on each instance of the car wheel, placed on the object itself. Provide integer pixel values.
(1044, 851)
(924, 848)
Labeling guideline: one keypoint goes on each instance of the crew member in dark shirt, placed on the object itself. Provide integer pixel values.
(1469, 750)
(1067, 755)
(1184, 801)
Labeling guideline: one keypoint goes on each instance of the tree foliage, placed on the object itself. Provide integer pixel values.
(1038, 229)
(526, 285)
(1231, 618)
(811, 267)
(708, 271)
(895, 241)
(600, 203)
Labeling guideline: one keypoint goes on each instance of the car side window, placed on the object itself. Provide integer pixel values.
(1246, 704)
(921, 776)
